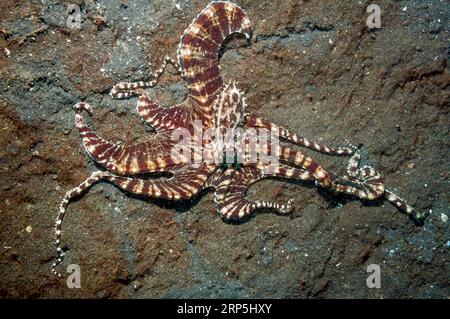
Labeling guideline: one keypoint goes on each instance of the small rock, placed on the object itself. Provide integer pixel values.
(444, 218)
(29, 229)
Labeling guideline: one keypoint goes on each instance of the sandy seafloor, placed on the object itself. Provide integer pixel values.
(313, 66)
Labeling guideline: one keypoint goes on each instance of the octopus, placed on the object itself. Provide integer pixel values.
(231, 157)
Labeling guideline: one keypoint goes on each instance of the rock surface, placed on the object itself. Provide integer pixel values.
(313, 66)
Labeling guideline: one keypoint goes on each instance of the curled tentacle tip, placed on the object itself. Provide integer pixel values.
(83, 106)
(288, 207)
(421, 216)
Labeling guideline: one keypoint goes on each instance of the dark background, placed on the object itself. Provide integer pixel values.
(313, 67)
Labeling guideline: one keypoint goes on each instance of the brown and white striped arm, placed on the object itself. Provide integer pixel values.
(182, 185)
(231, 187)
(149, 156)
(258, 122)
(124, 90)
